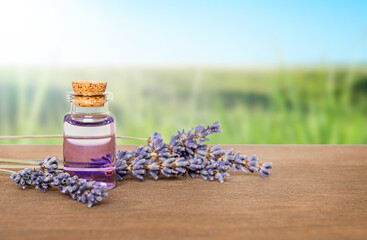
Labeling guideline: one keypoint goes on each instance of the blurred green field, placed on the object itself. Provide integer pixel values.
(315, 105)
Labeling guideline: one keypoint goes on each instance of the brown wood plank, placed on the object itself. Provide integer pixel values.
(315, 192)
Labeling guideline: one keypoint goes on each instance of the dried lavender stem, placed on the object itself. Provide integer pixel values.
(24, 161)
(17, 166)
(72, 137)
(30, 136)
(132, 138)
(6, 171)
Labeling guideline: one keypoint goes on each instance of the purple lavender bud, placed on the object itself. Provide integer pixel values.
(156, 136)
(240, 167)
(167, 170)
(195, 167)
(267, 165)
(253, 169)
(60, 180)
(137, 167)
(165, 174)
(194, 161)
(23, 177)
(121, 165)
(178, 149)
(135, 174)
(173, 141)
(50, 164)
(120, 154)
(191, 174)
(229, 152)
(153, 166)
(182, 163)
(214, 128)
(42, 180)
(204, 177)
(189, 151)
(82, 198)
(225, 174)
(140, 172)
(153, 175)
(96, 195)
(219, 177)
(253, 158)
(124, 155)
(181, 170)
(216, 148)
(204, 172)
(191, 144)
(201, 153)
(265, 171)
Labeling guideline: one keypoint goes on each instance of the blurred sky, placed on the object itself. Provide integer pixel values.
(93, 32)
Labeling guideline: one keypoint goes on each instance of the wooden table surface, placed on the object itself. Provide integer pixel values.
(314, 192)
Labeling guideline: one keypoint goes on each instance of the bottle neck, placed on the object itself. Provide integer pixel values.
(77, 109)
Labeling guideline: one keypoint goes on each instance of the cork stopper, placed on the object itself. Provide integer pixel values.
(89, 93)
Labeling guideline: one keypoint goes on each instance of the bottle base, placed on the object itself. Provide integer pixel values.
(105, 177)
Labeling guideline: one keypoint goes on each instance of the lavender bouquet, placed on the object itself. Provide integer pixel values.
(185, 154)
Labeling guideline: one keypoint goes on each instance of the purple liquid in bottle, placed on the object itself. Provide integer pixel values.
(89, 145)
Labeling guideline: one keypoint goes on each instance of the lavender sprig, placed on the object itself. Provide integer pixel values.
(50, 165)
(23, 177)
(186, 154)
(83, 191)
(42, 180)
(49, 175)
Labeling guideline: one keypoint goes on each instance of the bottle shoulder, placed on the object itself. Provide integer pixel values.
(89, 119)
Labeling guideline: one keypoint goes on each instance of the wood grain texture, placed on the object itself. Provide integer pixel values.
(314, 192)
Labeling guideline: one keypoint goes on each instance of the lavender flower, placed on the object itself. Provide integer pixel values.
(23, 177)
(60, 180)
(48, 175)
(42, 180)
(95, 196)
(186, 155)
(215, 127)
(81, 190)
(157, 143)
(153, 168)
(264, 169)
(50, 164)
(137, 167)
(122, 163)
(167, 167)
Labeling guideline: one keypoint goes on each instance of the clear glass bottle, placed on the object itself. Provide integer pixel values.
(89, 146)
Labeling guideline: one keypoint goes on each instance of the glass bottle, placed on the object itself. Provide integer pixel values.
(89, 145)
